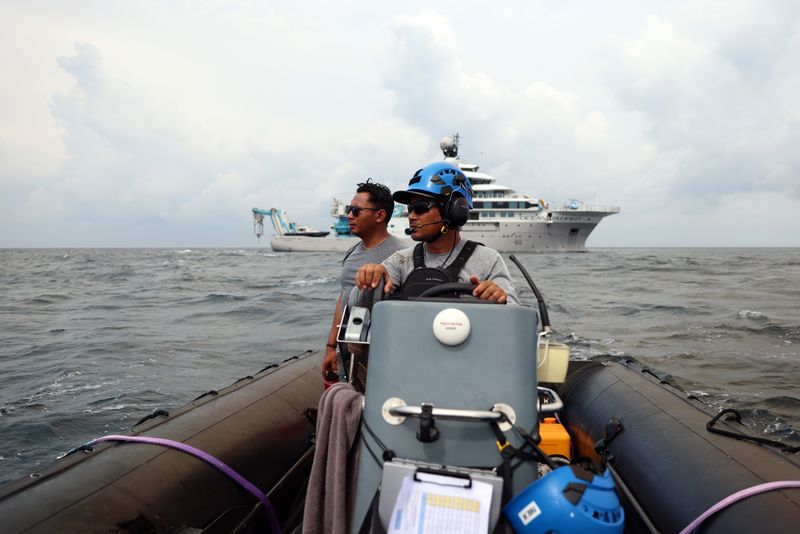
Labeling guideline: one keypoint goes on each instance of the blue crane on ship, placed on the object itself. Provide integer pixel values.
(282, 224)
(278, 223)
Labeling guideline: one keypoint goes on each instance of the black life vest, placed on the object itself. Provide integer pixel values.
(423, 278)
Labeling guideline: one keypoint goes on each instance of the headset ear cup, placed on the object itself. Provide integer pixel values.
(456, 210)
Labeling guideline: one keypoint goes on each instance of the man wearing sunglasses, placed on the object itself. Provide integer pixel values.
(439, 197)
(368, 216)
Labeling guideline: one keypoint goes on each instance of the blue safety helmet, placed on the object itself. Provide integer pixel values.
(438, 181)
(569, 499)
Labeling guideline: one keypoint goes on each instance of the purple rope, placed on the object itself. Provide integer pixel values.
(738, 496)
(239, 479)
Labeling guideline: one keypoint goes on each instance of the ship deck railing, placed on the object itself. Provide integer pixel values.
(587, 207)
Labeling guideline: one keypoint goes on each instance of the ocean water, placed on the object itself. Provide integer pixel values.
(93, 340)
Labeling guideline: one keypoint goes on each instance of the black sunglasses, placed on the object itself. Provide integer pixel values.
(421, 207)
(356, 210)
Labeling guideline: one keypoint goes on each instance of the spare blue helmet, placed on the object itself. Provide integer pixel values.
(439, 181)
(569, 499)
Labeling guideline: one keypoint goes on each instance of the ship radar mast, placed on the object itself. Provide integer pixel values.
(449, 146)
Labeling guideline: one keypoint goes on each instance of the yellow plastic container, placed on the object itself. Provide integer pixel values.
(553, 362)
(555, 438)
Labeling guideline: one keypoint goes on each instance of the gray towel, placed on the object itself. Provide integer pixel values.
(332, 484)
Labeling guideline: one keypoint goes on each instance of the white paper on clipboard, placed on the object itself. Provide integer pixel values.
(439, 504)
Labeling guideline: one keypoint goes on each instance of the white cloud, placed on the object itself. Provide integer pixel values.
(729, 131)
(153, 123)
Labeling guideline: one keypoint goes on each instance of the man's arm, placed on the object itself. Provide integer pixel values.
(497, 285)
(369, 276)
(330, 361)
(488, 290)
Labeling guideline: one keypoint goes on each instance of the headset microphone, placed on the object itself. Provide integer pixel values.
(409, 231)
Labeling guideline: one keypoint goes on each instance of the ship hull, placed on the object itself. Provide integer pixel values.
(530, 237)
(311, 244)
(565, 232)
(503, 237)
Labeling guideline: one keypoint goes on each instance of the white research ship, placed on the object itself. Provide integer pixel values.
(508, 221)
(502, 219)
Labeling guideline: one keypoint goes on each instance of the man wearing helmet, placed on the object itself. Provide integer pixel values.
(439, 197)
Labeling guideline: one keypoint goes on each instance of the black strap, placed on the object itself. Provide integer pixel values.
(508, 452)
(419, 256)
(612, 430)
(372, 522)
(350, 251)
(386, 453)
(738, 435)
(454, 268)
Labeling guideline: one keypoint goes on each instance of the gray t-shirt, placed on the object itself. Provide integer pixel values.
(486, 263)
(358, 256)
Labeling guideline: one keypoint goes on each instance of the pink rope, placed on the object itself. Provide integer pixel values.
(738, 496)
(219, 464)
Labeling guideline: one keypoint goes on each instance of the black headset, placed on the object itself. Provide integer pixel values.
(455, 212)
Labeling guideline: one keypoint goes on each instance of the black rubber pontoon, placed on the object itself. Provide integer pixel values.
(259, 426)
(675, 468)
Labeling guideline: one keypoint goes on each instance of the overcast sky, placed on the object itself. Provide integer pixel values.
(162, 123)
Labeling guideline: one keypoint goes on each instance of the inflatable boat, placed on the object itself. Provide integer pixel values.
(238, 460)
(261, 427)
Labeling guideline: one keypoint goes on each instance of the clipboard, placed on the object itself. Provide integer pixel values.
(419, 497)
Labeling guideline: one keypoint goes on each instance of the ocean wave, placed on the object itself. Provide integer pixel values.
(772, 416)
(555, 307)
(313, 282)
(778, 403)
(573, 340)
(120, 276)
(259, 287)
(103, 307)
(689, 356)
(48, 298)
(78, 388)
(634, 309)
(112, 408)
(216, 297)
(766, 421)
(787, 334)
(22, 406)
(753, 315)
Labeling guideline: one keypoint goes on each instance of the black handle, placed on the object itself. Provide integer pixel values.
(539, 298)
(444, 473)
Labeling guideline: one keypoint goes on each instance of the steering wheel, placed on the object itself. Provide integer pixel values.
(454, 287)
